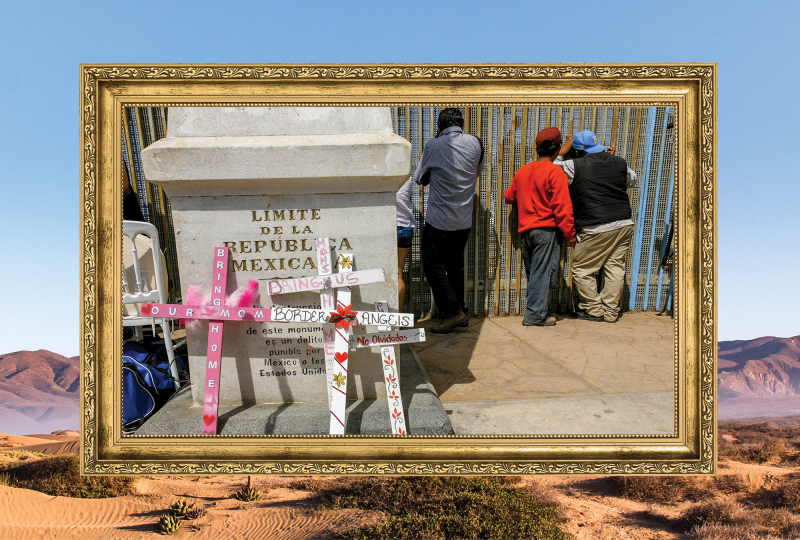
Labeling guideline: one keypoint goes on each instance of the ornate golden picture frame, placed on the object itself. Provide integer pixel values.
(689, 90)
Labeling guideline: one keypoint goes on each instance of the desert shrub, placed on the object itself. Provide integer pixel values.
(715, 531)
(719, 511)
(731, 483)
(758, 443)
(770, 450)
(505, 480)
(23, 454)
(60, 476)
(247, 495)
(788, 492)
(546, 497)
(6, 480)
(442, 507)
(662, 489)
(723, 519)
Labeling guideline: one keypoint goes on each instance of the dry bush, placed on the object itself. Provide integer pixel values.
(547, 497)
(758, 443)
(731, 484)
(723, 519)
(6, 479)
(662, 489)
(787, 492)
(314, 484)
(60, 476)
(714, 531)
(441, 507)
(771, 450)
(718, 511)
(506, 480)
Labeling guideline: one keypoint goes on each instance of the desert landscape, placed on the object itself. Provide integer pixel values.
(755, 495)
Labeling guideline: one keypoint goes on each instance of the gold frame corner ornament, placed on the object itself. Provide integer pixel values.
(691, 88)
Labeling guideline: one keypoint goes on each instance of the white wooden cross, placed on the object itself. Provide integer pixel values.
(327, 302)
(337, 357)
(217, 313)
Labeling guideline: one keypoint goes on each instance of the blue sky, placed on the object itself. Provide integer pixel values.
(43, 43)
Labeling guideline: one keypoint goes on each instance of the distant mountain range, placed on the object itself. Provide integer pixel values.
(763, 367)
(38, 392)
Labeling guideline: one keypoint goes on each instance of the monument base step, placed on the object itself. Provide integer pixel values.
(425, 414)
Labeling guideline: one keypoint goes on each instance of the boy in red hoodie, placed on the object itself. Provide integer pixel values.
(541, 193)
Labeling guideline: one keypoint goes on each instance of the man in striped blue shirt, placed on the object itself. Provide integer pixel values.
(450, 165)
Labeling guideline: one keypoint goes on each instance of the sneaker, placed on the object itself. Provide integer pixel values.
(582, 315)
(551, 321)
(449, 324)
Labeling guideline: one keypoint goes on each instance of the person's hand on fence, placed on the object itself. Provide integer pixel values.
(566, 147)
(612, 150)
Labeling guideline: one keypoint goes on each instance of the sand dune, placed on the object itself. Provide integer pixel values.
(286, 514)
(52, 448)
(13, 441)
(62, 435)
(63, 442)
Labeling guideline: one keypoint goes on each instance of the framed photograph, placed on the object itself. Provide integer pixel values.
(348, 269)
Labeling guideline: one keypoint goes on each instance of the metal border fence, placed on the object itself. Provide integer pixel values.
(494, 276)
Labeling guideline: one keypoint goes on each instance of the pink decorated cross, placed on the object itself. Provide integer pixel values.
(216, 313)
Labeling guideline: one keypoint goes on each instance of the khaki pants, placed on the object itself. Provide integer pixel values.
(607, 251)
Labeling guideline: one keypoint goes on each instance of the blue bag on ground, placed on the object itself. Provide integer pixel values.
(155, 355)
(145, 389)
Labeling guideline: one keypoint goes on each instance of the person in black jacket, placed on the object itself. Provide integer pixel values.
(598, 186)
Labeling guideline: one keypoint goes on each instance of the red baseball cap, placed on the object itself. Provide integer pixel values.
(551, 134)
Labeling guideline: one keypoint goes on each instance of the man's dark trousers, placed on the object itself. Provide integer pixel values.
(443, 260)
(541, 251)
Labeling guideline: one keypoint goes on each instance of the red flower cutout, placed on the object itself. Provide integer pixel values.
(389, 362)
(393, 395)
(343, 317)
(396, 414)
(400, 431)
(391, 379)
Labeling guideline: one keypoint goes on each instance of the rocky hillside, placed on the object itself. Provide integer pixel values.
(763, 367)
(38, 392)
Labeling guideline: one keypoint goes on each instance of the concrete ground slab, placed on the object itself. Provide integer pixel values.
(424, 412)
(496, 373)
(648, 413)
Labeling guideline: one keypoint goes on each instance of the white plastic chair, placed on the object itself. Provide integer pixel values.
(146, 290)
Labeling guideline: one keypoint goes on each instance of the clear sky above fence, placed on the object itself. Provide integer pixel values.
(43, 43)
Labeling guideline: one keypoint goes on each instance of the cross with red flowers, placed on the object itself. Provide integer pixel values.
(336, 332)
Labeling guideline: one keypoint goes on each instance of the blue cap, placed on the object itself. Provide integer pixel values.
(587, 142)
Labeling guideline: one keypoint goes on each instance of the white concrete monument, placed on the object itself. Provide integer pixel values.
(266, 182)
